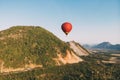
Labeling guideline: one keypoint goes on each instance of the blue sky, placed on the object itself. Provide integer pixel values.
(93, 21)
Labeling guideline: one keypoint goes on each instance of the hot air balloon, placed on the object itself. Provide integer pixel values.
(66, 27)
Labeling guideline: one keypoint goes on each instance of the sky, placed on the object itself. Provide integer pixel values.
(93, 21)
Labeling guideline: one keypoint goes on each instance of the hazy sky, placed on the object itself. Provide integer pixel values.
(93, 21)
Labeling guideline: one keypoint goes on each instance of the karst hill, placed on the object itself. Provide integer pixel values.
(27, 47)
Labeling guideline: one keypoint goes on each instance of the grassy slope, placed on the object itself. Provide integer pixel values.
(21, 45)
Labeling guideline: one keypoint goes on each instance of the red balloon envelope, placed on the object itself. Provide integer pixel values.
(66, 27)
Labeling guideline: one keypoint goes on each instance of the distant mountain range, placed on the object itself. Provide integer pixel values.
(103, 45)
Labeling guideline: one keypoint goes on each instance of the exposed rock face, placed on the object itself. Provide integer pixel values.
(70, 58)
(27, 67)
(78, 49)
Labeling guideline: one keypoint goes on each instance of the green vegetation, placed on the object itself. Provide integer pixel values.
(22, 45)
(91, 69)
(80, 71)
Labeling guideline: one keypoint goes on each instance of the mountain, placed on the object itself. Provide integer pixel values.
(107, 45)
(103, 45)
(25, 47)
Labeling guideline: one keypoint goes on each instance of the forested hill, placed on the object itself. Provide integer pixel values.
(29, 47)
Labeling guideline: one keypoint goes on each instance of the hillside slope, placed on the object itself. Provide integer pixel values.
(78, 49)
(26, 47)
